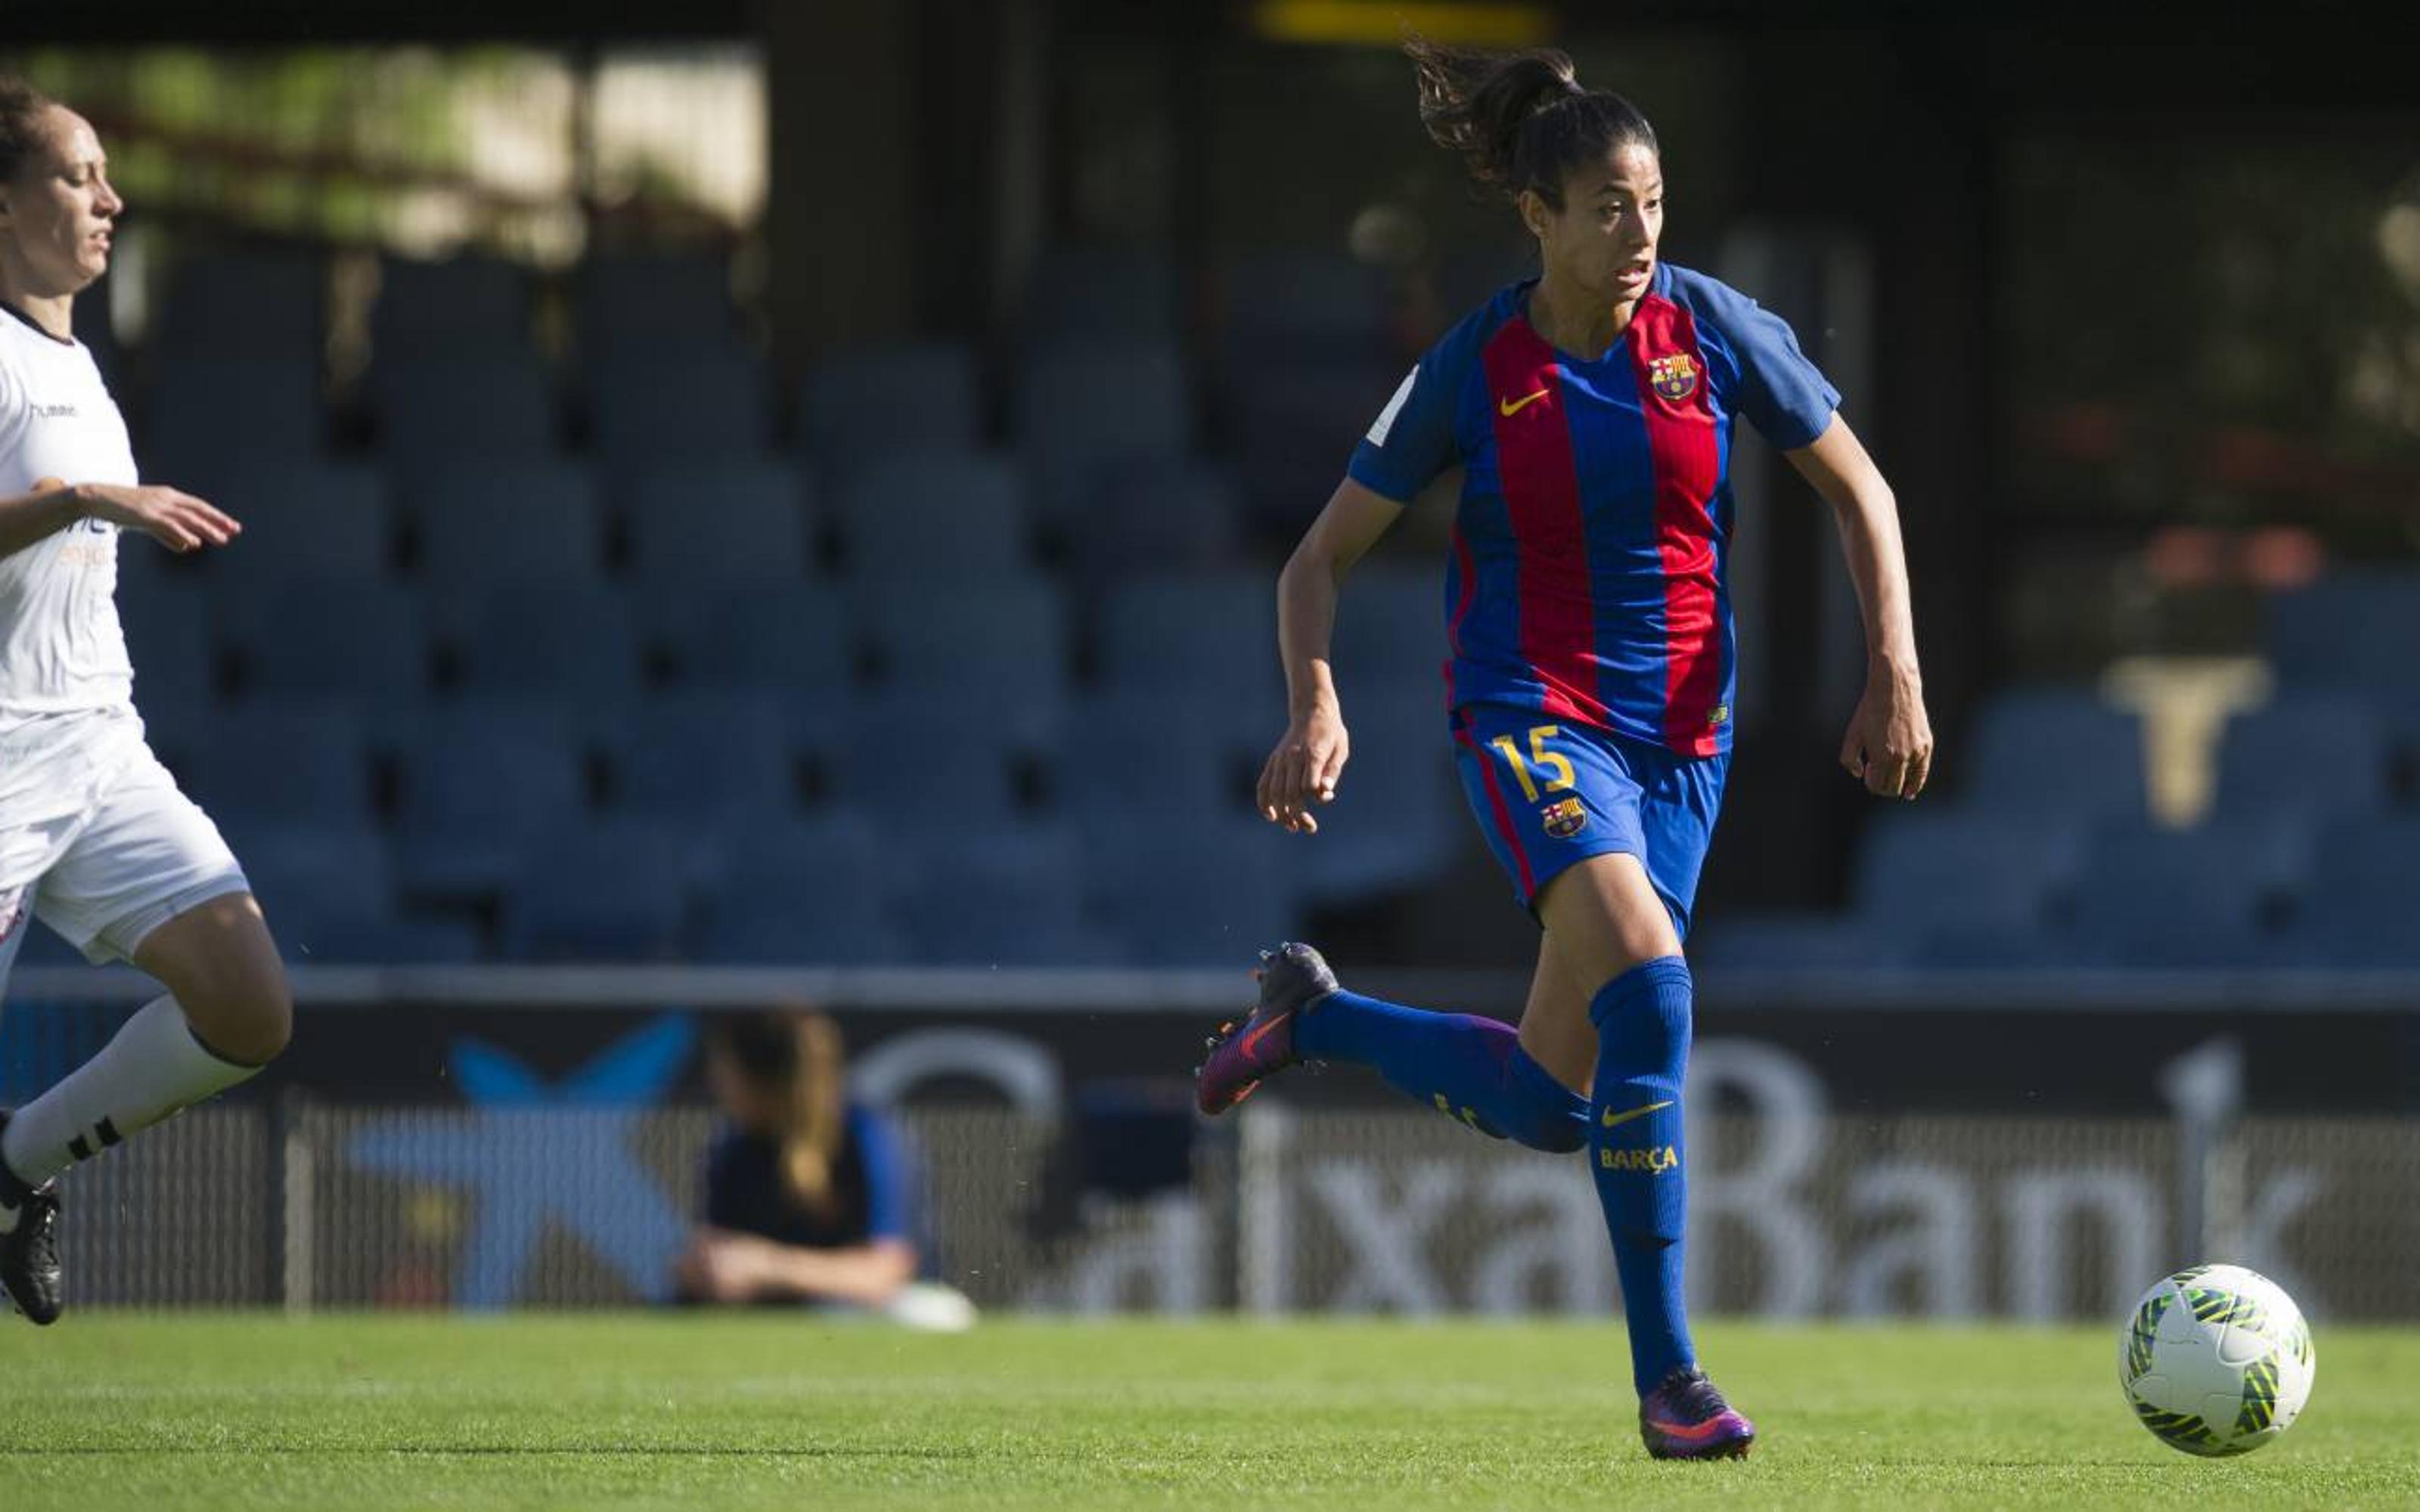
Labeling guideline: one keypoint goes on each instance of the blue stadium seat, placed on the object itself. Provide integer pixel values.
(654, 410)
(361, 642)
(209, 413)
(1399, 816)
(1158, 516)
(630, 304)
(1009, 896)
(609, 891)
(806, 894)
(301, 519)
(2016, 949)
(2352, 631)
(1214, 634)
(2313, 753)
(1082, 413)
(1958, 870)
(1137, 753)
(1390, 627)
(245, 303)
(1294, 430)
(1281, 308)
(1000, 643)
(709, 761)
(1102, 294)
(857, 407)
(718, 524)
(1793, 940)
(934, 516)
(438, 412)
(927, 773)
(292, 764)
(399, 940)
(483, 525)
(477, 784)
(798, 638)
(306, 873)
(2200, 898)
(2362, 909)
(168, 638)
(468, 306)
(575, 642)
(1188, 888)
(2057, 751)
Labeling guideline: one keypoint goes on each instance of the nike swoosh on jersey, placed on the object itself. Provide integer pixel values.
(1611, 1117)
(1509, 408)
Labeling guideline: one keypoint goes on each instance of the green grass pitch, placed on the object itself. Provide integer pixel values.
(775, 1410)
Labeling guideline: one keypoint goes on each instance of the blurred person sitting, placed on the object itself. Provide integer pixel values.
(809, 1198)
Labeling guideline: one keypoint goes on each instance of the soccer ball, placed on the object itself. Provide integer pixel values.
(2216, 1360)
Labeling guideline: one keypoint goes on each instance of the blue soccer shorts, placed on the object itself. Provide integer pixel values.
(1550, 795)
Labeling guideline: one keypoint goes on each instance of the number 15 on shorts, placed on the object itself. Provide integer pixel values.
(1563, 778)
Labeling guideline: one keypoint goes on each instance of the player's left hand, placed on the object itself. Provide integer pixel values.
(1889, 742)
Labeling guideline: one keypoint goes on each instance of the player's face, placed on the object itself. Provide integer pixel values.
(742, 1099)
(1604, 239)
(60, 208)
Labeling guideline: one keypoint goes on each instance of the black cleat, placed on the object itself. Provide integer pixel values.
(29, 1246)
(1293, 980)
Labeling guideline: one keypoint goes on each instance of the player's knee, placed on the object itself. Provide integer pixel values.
(246, 1017)
(1545, 1115)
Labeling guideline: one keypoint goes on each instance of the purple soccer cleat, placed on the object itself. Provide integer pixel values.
(1684, 1417)
(1293, 980)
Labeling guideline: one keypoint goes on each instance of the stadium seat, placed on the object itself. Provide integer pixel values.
(2057, 751)
(401, 940)
(1009, 896)
(2196, 899)
(1954, 869)
(292, 765)
(1279, 308)
(168, 638)
(1390, 627)
(1134, 754)
(301, 519)
(575, 642)
(709, 761)
(718, 524)
(934, 516)
(999, 644)
(798, 638)
(209, 414)
(2361, 909)
(1189, 888)
(1793, 940)
(465, 411)
(2353, 632)
(925, 773)
(1399, 815)
(1084, 412)
(482, 525)
(633, 303)
(245, 304)
(1158, 517)
(806, 894)
(1214, 634)
(2013, 948)
(365, 642)
(304, 870)
(2312, 753)
(1080, 295)
(857, 407)
(608, 891)
(468, 306)
(1294, 430)
(477, 784)
(657, 410)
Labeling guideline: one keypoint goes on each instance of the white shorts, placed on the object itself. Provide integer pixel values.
(141, 856)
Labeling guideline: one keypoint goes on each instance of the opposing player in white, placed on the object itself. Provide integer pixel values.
(95, 840)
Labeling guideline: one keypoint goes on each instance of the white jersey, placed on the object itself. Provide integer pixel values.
(66, 714)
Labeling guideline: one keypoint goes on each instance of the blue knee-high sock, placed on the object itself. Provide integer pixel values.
(1466, 1067)
(1642, 1027)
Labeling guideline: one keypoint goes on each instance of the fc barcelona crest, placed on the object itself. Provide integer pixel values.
(1564, 818)
(1675, 376)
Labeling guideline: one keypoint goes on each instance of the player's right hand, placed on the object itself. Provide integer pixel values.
(1304, 768)
(175, 518)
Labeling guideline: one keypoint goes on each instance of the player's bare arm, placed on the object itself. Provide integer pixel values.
(1311, 755)
(1889, 741)
(175, 518)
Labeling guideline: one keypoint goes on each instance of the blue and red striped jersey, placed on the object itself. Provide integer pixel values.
(1588, 574)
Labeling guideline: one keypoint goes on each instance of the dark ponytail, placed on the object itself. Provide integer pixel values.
(22, 108)
(1520, 120)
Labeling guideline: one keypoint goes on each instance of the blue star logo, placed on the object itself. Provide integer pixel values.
(535, 1152)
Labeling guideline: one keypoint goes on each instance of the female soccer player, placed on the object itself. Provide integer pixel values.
(94, 837)
(810, 1197)
(1589, 686)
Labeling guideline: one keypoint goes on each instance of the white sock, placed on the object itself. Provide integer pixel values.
(152, 1068)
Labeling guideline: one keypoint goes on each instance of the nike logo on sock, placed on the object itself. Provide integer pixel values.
(1612, 1117)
